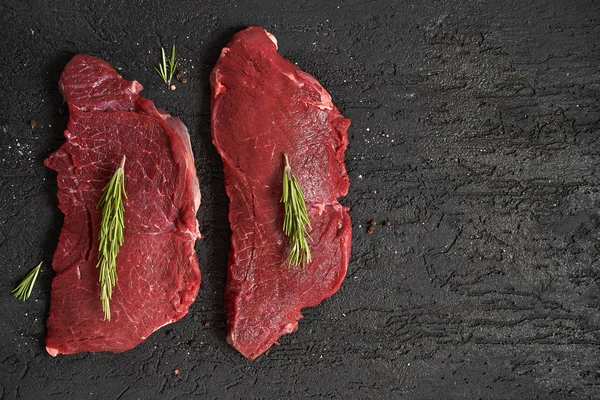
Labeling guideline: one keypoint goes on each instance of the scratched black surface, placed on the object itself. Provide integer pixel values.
(475, 130)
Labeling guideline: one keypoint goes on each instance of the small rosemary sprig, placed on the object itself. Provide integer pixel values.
(296, 219)
(111, 234)
(23, 290)
(166, 70)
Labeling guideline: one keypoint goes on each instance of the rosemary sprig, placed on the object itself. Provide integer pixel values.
(166, 70)
(296, 219)
(111, 234)
(23, 290)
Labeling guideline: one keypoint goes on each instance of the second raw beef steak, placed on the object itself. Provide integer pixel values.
(262, 107)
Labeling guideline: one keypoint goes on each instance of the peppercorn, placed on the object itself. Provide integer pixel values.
(32, 123)
(61, 111)
(172, 87)
(371, 226)
(387, 223)
(183, 81)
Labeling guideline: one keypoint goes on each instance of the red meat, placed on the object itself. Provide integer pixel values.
(262, 107)
(157, 268)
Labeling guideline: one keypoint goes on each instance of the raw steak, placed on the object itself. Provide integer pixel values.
(262, 107)
(157, 268)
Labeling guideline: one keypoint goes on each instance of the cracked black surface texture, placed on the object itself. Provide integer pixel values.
(475, 131)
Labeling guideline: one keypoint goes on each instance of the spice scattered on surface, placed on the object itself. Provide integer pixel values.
(172, 87)
(387, 223)
(207, 324)
(371, 226)
(32, 123)
(180, 77)
(177, 372)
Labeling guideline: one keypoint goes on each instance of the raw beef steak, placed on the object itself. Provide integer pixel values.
(157, 268)
(262, 107)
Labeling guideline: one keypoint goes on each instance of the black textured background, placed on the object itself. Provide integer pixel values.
(475, 130)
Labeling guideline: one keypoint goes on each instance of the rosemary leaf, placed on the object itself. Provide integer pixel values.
(172, 64)
(23, 289)
(111, 234)
(166, 68)
(295, 221)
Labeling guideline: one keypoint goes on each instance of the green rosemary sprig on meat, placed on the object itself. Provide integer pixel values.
(23, 290)
(166, 68)
(111, 234)
(296, 219)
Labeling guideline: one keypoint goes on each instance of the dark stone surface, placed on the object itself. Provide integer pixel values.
(475, 130)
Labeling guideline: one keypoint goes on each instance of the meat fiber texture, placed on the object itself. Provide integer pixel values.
(157, 268)
(262, 107)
